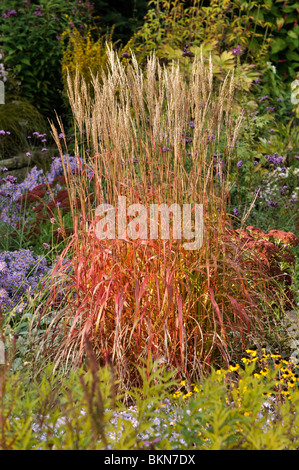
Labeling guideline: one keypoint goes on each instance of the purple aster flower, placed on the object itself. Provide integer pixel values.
(236, 212)
(297, 157)
(272, 203)
(239, 164)
(263, 98)
(28, 154)
(3, 267)
(238, 50)
(44, 150)
(46, 245)
(3, 295)
(255, 162)
(2, 132)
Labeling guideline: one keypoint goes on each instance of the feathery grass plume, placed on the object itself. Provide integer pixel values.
(140, 298)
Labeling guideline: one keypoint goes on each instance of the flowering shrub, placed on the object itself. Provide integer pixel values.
(252, 405)
(80, 50)
(20, 273)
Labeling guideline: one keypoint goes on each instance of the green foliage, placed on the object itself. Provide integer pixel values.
(74, 411)
(29, 35)
(281, 19)
(253, 406)
(171, 27)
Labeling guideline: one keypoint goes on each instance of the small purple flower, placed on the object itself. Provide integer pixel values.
(255, 162)
(28, 154)
(236, 212)
(2, 132)
(165, 149)
(297, 157)
(279, 100)
(239, 164)
(125, 55)
(46, 246)
(238, 50)
(58, 38)
(272, 203)
(263, 98)
(7, 132)
(3, 266)
(44, 150)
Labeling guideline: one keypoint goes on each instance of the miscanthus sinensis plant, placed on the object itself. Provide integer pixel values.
(153, 137)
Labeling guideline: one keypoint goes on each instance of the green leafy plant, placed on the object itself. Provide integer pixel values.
(252, 406)
(30, 38)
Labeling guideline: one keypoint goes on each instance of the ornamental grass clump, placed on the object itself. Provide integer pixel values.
(152, 137)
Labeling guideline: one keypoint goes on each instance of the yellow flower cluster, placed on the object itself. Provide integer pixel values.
(82, 52)
(286, 376)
